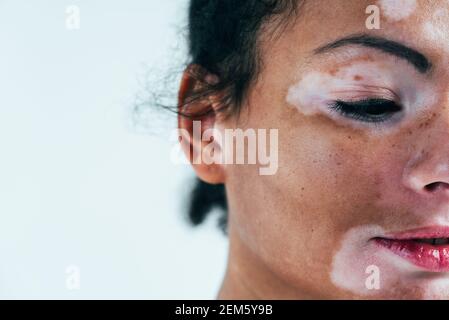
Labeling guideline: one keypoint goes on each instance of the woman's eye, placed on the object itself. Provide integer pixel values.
(370, 110)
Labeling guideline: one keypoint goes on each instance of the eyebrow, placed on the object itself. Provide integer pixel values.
(417, 59)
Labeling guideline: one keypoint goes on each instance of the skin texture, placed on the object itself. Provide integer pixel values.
(397, 10)
(305, 232)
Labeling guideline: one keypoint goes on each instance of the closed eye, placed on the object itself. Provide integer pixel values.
(369, 110)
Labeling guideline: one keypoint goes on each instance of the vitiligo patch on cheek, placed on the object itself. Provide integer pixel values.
(397, 10)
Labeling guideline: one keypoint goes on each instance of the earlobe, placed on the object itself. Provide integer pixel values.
(196, 117)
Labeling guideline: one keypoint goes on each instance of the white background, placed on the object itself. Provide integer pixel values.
(78, 185)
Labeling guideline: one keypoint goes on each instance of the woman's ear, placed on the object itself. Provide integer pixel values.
(199, 137)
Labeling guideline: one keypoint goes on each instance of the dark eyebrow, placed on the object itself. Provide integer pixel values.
(417, 59)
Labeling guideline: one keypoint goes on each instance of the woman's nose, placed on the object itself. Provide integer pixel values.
(427, 172)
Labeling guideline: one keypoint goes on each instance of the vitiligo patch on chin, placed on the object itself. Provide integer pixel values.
(356, 259)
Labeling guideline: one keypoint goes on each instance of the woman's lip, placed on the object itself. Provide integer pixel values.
(431, 257)
(434, 258)
(420, 233)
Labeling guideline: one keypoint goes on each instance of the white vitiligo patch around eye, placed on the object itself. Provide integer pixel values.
(314, 93)
(397, 10)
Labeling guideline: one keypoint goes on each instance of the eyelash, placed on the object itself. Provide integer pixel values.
(360, 110)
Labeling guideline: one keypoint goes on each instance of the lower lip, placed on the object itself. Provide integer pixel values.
(434, 258)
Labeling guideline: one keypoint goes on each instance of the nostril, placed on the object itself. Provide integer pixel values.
(432, 187)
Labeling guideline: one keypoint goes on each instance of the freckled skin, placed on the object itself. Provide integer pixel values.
(286, 229)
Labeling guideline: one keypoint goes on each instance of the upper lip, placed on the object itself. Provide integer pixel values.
(420, 233)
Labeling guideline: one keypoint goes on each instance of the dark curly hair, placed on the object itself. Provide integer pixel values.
(224, 38)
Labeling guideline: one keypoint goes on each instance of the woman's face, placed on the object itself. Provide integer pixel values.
(363, 174)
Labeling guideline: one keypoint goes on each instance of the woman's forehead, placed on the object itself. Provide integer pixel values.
(421, 25)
